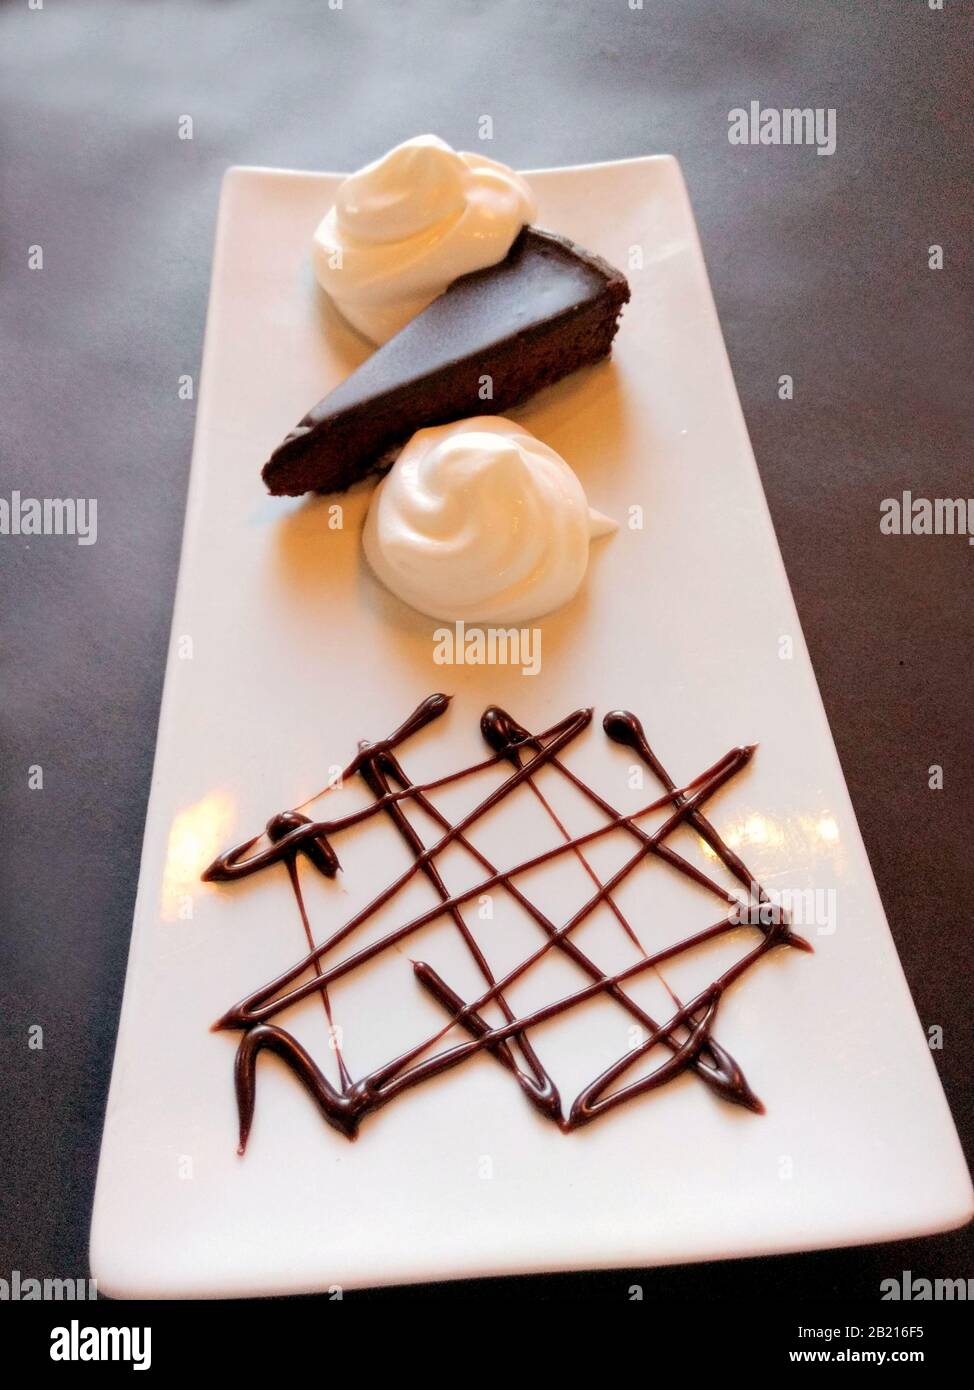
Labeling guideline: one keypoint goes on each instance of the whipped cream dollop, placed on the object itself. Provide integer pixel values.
(403, 228)
(479, 521)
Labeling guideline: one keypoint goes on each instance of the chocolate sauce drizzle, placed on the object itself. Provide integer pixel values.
(687, 1035)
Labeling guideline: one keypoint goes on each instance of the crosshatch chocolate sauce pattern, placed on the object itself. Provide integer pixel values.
(686, 1039)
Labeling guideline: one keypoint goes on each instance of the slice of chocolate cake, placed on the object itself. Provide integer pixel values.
(547, 309)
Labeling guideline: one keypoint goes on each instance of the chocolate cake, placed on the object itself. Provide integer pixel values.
(490, 341)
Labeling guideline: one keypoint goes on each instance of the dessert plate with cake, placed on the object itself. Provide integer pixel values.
(502, 907)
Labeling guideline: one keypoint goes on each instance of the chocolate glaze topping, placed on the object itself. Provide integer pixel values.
(687, 1035)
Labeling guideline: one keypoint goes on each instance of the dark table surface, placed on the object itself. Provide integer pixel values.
(820, 270)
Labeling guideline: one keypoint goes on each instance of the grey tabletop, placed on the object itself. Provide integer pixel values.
(822, 270)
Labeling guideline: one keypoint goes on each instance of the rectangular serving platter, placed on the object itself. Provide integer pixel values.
(285, 653)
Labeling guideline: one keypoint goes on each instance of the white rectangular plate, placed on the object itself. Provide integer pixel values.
(285, 652)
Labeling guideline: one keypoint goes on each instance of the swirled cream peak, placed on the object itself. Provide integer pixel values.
(479, 521)
(403, 228)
